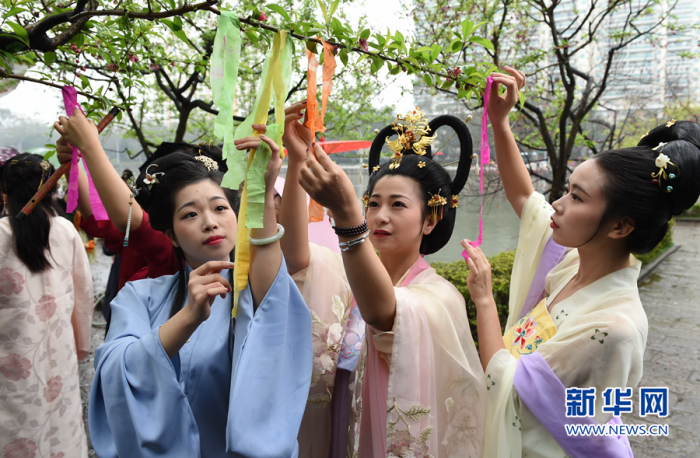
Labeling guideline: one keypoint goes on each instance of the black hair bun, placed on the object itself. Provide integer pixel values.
(462, 134)
(163, 165)
(680, 141)
(205, 149)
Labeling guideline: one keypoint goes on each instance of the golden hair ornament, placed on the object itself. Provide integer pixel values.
(435, 202)
(413, 131)
(455, 201)
(662, 162)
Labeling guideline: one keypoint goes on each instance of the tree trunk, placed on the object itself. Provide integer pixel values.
(182, 123)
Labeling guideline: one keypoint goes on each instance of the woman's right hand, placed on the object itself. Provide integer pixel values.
(501, 105)
(297, 137)
(479, 279)
(78, 131)
(206, 282)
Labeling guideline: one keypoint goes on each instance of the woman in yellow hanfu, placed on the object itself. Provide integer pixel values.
(575, 317)
(418, 387)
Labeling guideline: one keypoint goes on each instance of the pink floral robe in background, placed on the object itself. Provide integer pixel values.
(420, 389)
(45, 322)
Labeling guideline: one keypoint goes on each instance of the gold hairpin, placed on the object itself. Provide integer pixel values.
(437, 201)
(395, 161)
(365, 200)
(670, 123)
(455, 201)
(208, 162)
(413, 133)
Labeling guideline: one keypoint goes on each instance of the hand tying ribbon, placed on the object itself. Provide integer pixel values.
(70, 102)
(485, 158)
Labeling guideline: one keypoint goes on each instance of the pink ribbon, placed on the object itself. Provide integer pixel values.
(70, 102)
(483, 161)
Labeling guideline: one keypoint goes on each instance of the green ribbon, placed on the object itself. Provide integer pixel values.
(274, 81)
(225, 59)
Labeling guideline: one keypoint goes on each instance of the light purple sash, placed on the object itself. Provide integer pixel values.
(551, 256)
(544, 394)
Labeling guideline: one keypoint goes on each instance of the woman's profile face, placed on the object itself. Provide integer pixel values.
(204, 224)
(394, 215)
(578, 214)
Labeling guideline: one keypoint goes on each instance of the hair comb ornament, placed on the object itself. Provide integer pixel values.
(365, 200)
(46, 169)
(395, 161)
(435, 202)
(208, 162)
(151, 179)
(662, 162)
(413, 133)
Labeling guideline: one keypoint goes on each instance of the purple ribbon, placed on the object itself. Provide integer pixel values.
(545, 396)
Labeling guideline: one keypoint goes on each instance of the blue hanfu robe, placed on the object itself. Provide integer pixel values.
(202, 403)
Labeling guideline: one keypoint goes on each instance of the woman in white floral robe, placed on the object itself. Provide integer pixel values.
(45, 321)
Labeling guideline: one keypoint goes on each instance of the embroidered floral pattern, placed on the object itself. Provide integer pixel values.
(14, 367)
(327, 340)
(401, 443)
(524, 331)
(10, 282)
(20, 448)
(53, 388)
(46, 308)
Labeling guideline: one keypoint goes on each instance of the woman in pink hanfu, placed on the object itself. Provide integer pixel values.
(46, 303)
(418, 388)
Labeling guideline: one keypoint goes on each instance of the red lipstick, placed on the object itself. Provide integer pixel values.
(553, 225)
(214, 240)
(381, 234)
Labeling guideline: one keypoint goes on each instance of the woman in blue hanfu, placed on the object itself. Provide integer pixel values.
(177, 376)
(575, 316)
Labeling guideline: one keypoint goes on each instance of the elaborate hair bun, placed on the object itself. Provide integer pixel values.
(204, 149)
(158, 169)
(461, 132)
(680, 142)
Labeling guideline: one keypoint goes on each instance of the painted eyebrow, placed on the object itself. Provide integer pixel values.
(394, 196)
(192, 203)
(575, 186)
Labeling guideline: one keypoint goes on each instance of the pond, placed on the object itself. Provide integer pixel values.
(501, 224)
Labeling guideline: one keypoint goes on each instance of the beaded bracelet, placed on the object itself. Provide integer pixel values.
(345, 246)
(269, 240)
(351, 231)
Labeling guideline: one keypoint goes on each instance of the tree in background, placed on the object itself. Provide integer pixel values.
(151, 57)
(567, 50)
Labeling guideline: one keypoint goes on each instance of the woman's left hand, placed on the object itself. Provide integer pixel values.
(275, 164)
(328, 185)
(479, 279)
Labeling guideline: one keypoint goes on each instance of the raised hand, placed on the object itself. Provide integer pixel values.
(479, 279)
(78, 130)
(275, 164)
(205, 284)
(328, 185)
(64, 152)
(297, 137)
(501, 105)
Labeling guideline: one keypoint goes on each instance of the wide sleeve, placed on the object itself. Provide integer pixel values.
(83, 298)
(535, 232)
(436, 393)
(272, 372)
(155, 247)
(105, 230)
(137, 407)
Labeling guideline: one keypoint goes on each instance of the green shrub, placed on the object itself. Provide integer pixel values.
(692, 212)
(665, 244)
(501, 267)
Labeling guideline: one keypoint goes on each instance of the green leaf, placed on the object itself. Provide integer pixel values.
(49, 57)
(79, 40)
(428, 78)
(13, 11)
(334, 6)
(365, 34)
(252, 36)
(482, 41)
(311, 46)
(398, 37)
(325, 11)
(51, 152)
(436, 48)
(281, 11)
(19, 31)
(343, 54)
(467, 28)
